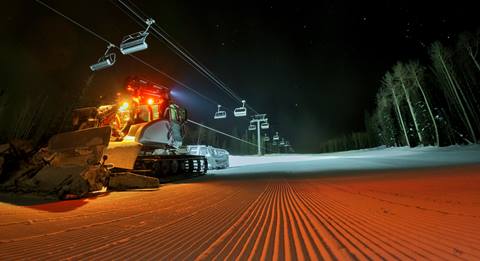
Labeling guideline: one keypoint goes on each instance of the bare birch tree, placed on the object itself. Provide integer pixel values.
(470, 43)
(417, 72)
(389, 84)
(443, 67)
(400, 73)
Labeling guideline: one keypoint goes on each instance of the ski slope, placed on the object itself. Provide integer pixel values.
(368, 159)
(401, 203)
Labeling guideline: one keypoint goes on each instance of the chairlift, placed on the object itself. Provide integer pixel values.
(252, 127)
(137, 41)
(276, 137)
(264, 125)
(266, 138)
(220, 114)
(107, 60)
(240, 111)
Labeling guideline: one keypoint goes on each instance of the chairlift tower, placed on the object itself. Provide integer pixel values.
(258, 122)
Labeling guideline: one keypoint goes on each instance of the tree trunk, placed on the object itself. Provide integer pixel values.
(437, 139)
(468, 105)
(474, 60)
(419, 134)
(397, 107)
(464, 112)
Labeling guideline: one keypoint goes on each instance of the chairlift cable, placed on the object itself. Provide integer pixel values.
(150, 66)
(199, 67)
(168, 46)
(183, 54)
(131, 55)
(173, 79)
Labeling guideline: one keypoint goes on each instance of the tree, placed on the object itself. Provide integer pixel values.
(401, 74)
(211, 138)
(417, 72)
(443, 67)
(470, 44)
(235, 145)
(389, 84)
(383, 119)
(244, 147)
(370, 126)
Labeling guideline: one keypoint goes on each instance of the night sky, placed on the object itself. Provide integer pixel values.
(314, 68)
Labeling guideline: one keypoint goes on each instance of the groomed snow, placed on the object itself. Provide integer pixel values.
(367, 159)
(286, 207)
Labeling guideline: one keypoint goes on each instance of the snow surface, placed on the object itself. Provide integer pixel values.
(366, 159)
(285, 207)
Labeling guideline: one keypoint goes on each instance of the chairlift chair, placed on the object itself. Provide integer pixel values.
(264, 125)
(220, 114)
(276, 137)
(252, 127)
(137, 41)
(266, 138)
(240, 111)
(282, 142)
(107, 60)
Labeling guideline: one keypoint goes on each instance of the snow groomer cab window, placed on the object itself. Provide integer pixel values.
(176, 114)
